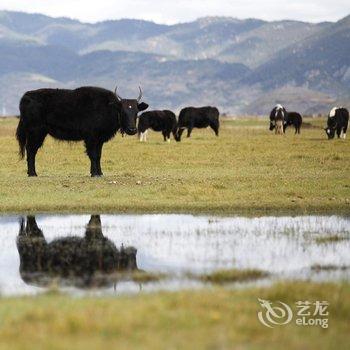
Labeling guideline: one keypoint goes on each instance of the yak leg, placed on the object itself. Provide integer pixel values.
(179, 133)
(164, 135)
(31, 154)
(279, 127)
(32, 228)
(34, 142)
(94, 229)
(215, 128)
(32, 247)
(189, 130)
(174, 131)
(99, 154)
(344, 131)
(338, 132)
(93, 150)
(144, 136)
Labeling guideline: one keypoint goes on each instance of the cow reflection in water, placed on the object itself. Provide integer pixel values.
(91, 261)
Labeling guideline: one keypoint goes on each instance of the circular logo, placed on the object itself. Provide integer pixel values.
(274, 315)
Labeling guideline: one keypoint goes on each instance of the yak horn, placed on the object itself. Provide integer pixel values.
(115, 93)
(140, 95)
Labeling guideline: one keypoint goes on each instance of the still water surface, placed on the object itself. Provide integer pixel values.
(174, 245)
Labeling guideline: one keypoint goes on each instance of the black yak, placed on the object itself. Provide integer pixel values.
(89, 114)
(164, 121)
(202, 117)
(295, 119)
(81, 262)
(338, 120)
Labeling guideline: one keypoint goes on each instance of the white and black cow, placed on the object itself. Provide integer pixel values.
(164, 121)
(338, 120)
(201, 117)
(277, 117)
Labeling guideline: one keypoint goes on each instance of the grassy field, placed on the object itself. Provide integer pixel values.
(214, 319)
(247, 170)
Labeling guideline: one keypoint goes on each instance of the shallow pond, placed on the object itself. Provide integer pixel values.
(78, 253)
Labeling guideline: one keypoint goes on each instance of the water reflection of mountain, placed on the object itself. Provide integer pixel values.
(90, 261)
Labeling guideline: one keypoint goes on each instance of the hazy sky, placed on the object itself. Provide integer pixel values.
(173, 11)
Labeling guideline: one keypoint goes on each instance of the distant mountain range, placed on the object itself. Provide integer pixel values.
(241, 66)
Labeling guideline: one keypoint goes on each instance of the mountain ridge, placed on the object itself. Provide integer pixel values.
(241, 65)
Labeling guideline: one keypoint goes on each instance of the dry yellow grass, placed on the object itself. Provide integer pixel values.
(215, 319)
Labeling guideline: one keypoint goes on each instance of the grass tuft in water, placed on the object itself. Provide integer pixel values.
(233, 275)
(142, 276)
(319, 268)
(331, 239)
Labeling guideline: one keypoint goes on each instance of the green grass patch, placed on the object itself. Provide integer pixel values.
(246, 170)
(319, 268)
(331, 239)
(140, 276)
(233, 275)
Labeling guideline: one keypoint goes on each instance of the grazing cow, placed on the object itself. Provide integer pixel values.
(81, 262)
(164, 121)
(295, 119)
(277, 117)
(88, 114)
(191, 117)
(338, 120)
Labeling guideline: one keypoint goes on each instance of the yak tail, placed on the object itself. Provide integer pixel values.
(21, 138)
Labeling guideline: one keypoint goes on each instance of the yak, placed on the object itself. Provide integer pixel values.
(202, 117)
(338, 120)
(295, 119)
(89, 114)
(164, 121)
(77, 261)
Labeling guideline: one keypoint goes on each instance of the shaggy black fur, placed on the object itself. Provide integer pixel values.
(81, 262)
(88, 114)
(295, 119)
(191, 117)
(164, 121)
